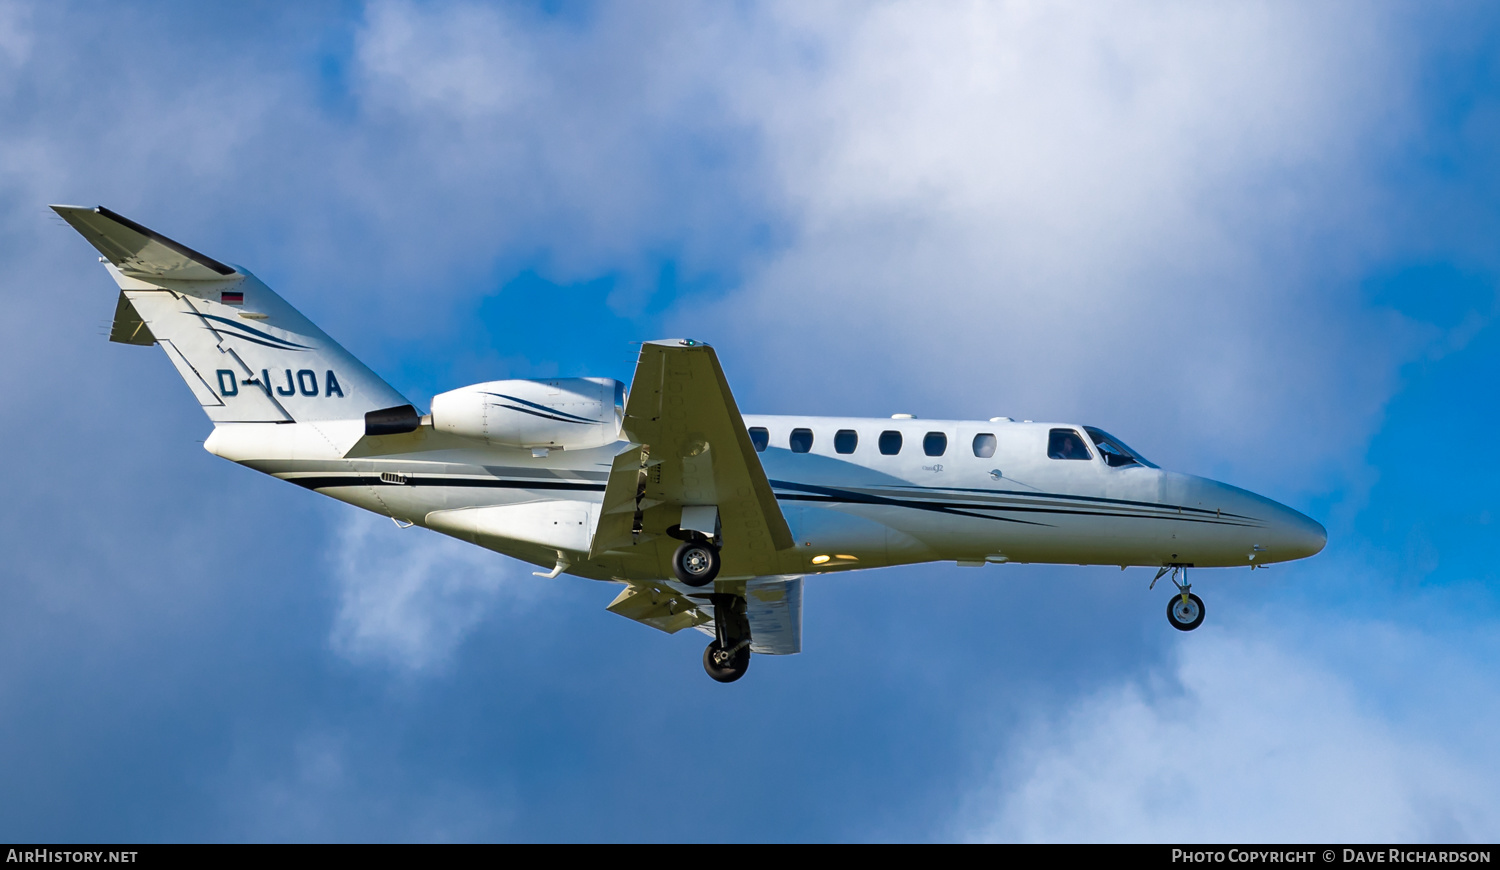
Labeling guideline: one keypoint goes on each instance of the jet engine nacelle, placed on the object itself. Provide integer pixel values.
(561, 413)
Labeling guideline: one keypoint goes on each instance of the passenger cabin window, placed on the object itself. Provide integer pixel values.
(1114, 450)
(1066, 444)
(935, 444)
(760, 438)
(801, 440)
(984, 445)
(890, 442)
(845, 440)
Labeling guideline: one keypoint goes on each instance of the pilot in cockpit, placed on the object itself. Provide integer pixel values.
(1064, 444)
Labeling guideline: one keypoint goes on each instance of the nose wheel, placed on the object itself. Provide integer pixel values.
(1185, 610)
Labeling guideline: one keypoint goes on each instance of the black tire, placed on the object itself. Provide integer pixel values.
(696, 563)
(730, 671)
(1185, 616)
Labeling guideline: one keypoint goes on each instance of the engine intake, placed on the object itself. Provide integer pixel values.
(560, 413)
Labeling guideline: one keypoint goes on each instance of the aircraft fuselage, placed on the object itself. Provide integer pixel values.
(930, 498)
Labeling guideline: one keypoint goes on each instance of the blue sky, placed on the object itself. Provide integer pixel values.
(1255, 241)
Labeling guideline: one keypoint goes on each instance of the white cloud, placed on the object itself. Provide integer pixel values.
(409, 597)
(470, 61)
(1365, 735)
(603, 142)
(1154, 217)
(1153, 214)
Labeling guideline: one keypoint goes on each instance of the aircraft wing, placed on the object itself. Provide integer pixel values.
(690, 456)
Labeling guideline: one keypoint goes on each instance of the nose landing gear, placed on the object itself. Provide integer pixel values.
(1185, 611)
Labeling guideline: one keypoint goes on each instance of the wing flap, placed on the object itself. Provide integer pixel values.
(774, 607)
(624, 499)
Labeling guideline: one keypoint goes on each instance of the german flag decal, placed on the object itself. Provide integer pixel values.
(232, 297)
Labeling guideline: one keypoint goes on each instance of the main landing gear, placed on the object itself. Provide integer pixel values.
(696, 561)
(728, 656)
(1185, 610)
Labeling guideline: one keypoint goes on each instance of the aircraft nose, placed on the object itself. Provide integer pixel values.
(1296, 535)
(1272, 532)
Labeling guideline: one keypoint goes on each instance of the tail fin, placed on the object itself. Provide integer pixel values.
(247, 355)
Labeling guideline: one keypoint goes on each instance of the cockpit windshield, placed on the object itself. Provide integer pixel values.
(1114, 450)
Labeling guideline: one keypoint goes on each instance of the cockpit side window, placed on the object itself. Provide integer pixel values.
(1066, 444)
(1114, 450)
(760, 438)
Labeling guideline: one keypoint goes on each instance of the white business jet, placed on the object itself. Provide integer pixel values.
(708, 519)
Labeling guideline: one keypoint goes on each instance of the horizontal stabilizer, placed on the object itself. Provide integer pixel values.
(139, 252)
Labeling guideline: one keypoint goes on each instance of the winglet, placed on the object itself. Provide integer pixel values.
(139, 252)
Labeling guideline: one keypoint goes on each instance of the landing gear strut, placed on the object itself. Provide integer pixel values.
(728, 656)
(1185, 611)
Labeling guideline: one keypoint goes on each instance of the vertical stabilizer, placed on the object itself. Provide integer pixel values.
(246, 355)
